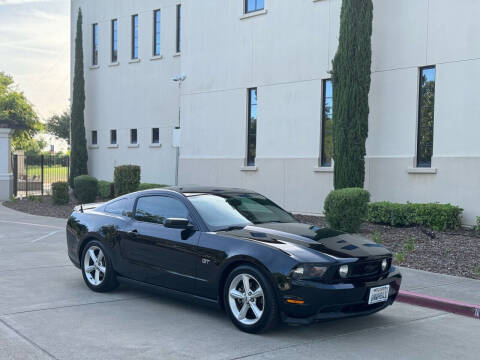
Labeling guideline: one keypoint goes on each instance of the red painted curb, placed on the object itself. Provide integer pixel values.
(437, 303)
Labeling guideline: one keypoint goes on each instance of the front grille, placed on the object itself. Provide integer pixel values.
(366, 269)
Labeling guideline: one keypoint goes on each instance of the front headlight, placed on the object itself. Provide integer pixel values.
(308, 271)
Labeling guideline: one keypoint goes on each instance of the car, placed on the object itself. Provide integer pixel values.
(234, 249)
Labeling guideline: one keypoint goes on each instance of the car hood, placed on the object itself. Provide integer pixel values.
(303, 241)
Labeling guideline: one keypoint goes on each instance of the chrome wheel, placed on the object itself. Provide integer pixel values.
(94, 265)
(246, 299)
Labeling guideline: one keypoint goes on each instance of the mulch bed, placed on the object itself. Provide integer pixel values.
(453, 253)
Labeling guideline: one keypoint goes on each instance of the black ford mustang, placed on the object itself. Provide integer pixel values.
(234, 248)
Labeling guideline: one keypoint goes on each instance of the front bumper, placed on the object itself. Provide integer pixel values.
(333, 301)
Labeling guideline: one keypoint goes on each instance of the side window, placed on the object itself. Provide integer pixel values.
(156, 209)
(120, 207)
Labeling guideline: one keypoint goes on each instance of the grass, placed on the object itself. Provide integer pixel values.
(51, 174)
(400, 257)
(409, 246)
(377, 237)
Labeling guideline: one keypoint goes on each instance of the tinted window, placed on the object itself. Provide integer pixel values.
(252, 127)
(156, 209)
(254, 5)
(134, 36)
(156, 32)
(327, 124)
(133, 136)
(119, 207)
(426, 117)
(179, 29)
(155, 135)
(94, 137)
(114, 40)
(95, 44)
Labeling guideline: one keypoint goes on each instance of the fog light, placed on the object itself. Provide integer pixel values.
(297, 273)
(343, 271)
(384, 264)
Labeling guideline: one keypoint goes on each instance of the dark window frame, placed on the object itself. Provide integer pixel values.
(256, 8)
(113, 136)
(135, 38)
(323, 161)
(158, 136)
(251, 137)
(157, 33)
(95, 44)
(94, 137)
(133, 136)
(178, 43)
(190, 216)
(114, 41)
(419, 162)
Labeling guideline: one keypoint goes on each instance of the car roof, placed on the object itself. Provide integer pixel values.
(196, 189)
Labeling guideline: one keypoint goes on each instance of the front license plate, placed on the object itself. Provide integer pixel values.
(378, 294)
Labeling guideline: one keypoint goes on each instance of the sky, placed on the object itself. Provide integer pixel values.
(35, 50)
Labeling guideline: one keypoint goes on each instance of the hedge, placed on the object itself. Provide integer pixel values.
(86, 188)
(346, 209)
(60, 193)
(436, 216)
(105, 189)
(146, 186)
(126, 179)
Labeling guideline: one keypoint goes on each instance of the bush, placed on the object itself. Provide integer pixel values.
(146, 186)
(126, 179)
(346, 209)
(86, 188)
(436, 216)
(60, 193)
(105, 189)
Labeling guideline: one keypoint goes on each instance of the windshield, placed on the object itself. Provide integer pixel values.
(226, 211)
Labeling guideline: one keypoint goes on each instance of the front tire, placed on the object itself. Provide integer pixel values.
(97, 269)
(250, 300)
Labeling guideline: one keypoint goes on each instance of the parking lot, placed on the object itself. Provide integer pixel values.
(46, 312)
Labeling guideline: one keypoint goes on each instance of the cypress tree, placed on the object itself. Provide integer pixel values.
(78, 154)
(351, 85)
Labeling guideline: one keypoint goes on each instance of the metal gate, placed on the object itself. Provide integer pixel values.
(35, 174)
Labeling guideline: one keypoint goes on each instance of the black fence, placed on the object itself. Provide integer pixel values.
(35, 174)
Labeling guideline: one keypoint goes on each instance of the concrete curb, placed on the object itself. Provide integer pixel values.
(437, 303)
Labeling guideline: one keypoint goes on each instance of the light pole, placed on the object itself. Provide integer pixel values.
(178, 79)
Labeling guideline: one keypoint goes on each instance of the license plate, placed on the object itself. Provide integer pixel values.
(378, 294)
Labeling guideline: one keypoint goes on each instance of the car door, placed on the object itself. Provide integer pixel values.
(156, 254)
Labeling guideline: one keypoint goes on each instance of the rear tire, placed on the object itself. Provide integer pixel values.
(97, 269)
(250, 300)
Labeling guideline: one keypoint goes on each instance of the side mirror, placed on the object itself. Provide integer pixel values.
(174, 223)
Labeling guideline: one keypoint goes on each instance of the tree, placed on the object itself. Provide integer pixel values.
(78, 154)
(59, 126)
(17, 113)
(351, 86)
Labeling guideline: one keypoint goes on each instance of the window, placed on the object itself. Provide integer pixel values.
(119, 207)
(179, 17)
(254, 5)
(94, 137)
(155, 136)
(327, 125)
(426, 116)
(135, 36)
(133, 136)
(156, 32)
(95, 44)
(114, 57)
(113, 137)
(252, 127)
(156, 209)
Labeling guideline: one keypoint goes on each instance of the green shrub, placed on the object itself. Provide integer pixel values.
(105, 189)
(126, 179)
(476, 227)
(433, 215)
(146, 186)
(346, 209)
(60, 193)
(86, 188)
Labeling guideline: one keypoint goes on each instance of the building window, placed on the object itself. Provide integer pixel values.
(327, 125)
(179, 28)
(133, 136)
(113, 137)
(134, 36)
(156, 32)
(155, 136)
(426, 116)
(114, 41)
(252, 127)
(254, 5)
(94, 137)
(95, 44)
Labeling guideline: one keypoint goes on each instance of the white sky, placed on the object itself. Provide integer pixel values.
(35, 50)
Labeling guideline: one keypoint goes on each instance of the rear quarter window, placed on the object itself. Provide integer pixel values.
(121, 207)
